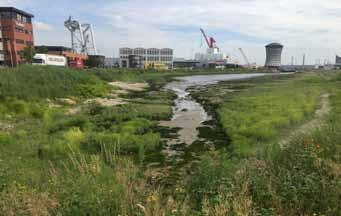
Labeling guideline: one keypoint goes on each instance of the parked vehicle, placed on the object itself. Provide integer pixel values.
(53, 60)
(77, 63)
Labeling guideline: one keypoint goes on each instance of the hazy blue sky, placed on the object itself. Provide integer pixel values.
(303, 26)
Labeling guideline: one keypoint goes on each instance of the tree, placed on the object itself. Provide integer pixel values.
(42, 50)
(27, 54)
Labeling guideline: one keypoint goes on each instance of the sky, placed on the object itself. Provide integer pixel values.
(310, 27)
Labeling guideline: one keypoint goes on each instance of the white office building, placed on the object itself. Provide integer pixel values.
(151, 55)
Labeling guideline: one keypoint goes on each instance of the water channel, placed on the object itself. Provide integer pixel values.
(188, 114)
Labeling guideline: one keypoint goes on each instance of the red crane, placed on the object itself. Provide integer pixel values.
(211, 42)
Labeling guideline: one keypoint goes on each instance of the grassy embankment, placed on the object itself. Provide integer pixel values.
(90, 163)
(52, 161)
(258, 176)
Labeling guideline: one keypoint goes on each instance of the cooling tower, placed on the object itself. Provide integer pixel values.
(273, 55)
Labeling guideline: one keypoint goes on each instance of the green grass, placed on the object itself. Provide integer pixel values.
(94, 162)
(300, 178)
(257, 116)
(33, 83)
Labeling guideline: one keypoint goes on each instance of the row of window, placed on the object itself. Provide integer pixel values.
(17, 41)
(153, 58)
(17, 16)
(141, 51)
(166, 58)
(8, 53)
(22, 30)
(17, 29)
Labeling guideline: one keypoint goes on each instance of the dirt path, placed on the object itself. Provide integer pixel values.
(112, 99)
(316, 122)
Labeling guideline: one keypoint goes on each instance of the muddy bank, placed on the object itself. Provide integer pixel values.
(192, 125)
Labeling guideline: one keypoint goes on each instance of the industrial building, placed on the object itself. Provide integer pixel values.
(110, 62)
(184, 63)
(63, 51)
(212, 57)
(273, 55)
(131, 58)
(17, 33)
(337, 62)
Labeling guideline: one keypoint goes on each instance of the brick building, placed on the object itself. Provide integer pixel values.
(17, 33)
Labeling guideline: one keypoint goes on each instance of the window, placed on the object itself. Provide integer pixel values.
(24, 19)
(19, 17)
(6, 15)
(19, 29)
(29, 43)
(5, 28)
(38, 61)
(18, 41)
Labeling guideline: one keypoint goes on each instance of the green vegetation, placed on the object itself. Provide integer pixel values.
(254, 117)
(263, 176)
(100, 160)
(27, 54)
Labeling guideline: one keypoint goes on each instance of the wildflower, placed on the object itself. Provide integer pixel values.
(179, 190)
(152, 198)
(141, 207)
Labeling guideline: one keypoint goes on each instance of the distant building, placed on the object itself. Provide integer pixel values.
(183, 63)
(151, 55)
(338, 62)
(96, 61)
(112, 62)
(17, 33)
(62, 51)
(273, 55)
(212, 58)
(1, 48)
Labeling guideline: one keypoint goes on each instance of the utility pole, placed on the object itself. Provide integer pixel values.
(303, 63)
(292, 60)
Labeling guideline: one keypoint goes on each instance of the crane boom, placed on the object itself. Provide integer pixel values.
(245, 58)
(205, 36)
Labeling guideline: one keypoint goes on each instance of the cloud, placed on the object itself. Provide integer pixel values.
(41, 26)
(304, 26)
(253, 22)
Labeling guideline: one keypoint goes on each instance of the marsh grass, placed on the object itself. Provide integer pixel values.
(94, 162)
(259, 115)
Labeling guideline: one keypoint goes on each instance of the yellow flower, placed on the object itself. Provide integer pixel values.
(152, 198)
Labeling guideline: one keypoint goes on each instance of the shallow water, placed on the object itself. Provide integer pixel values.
(189, 115)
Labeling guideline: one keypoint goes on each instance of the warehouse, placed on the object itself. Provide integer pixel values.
(62, 51)
(151, 56)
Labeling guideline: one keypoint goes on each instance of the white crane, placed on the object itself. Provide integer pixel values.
(82, 36)
(245, 58)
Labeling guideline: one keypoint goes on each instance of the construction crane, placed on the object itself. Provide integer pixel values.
(82, 36)
(245, 58)
(211, 42)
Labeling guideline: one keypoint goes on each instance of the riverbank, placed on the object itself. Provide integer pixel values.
(259, 173)
(106, 160)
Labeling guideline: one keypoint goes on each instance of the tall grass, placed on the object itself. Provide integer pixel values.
(258, 115)
(31, 82)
